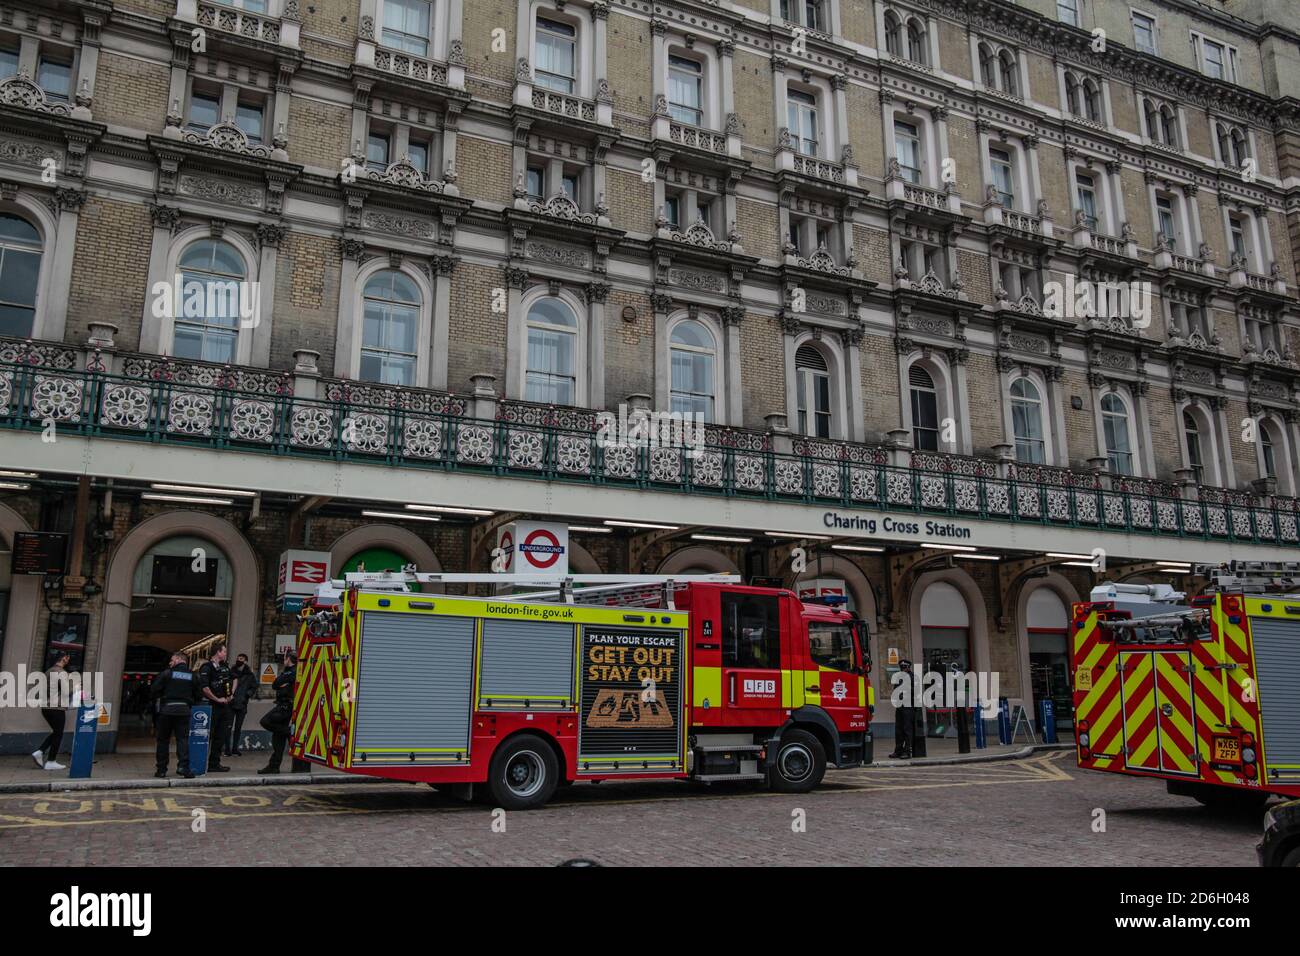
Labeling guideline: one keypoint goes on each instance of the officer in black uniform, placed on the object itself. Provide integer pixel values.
(176, 691)
(905, 717)
(217, 685)
(277, 719)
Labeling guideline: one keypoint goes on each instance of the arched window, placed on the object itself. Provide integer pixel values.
(1153, 121)
(915, 41)
(20, 269)
(1115, 425)
(813, 392)
(925, 409)
(988, 68)
(1092, 100)
(551, 374)
(694, 359)
(1007, 68)
(893, 34)
(1027, 422)
(1240, 147)
(207, 324)
(1195, 453)
(1267, 452)
(1168, 126)
(1072, 92)
(390, 332)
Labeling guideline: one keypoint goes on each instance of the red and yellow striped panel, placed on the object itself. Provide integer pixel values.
(1180, 739)
(1096, 694)
(323, 693)
(1141, 724)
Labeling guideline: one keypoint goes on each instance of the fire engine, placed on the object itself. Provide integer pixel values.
(1202, 693)
(595, 677)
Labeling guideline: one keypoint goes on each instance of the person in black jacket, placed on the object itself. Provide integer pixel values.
(245, 679)
(176, 691)
(905, 716)
(216, 685)
(277, 719)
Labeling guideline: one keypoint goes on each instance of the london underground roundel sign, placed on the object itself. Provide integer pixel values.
(541, 549)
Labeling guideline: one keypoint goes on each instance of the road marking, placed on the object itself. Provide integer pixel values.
(178, 805)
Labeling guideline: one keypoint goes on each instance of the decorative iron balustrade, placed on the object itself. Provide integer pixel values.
(407, 65)
(239, 22)
(564, 104)
(697, 138)
(341, 428)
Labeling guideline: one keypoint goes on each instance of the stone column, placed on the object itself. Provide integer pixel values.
(269, 237)
(732, 318)
(440, 339)
(455, 44)
(663, 305)
(730, 121)
(597, 293)
(851, 341)
(604, 99)
(784, 147)
(523, 62)
(366, 32)
(165, 219)
(659, 120)
(347, 341)
(68, 202)
(515, 339)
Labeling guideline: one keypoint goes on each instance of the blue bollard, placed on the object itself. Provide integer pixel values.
(83, 741)
(981, 736)
(200, 737)
(1047, 721)
(1004, 722)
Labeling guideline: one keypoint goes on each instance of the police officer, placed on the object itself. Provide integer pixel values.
(277, 720)
(176, 690)
(216, 684)
(245, 686)
(905, 716)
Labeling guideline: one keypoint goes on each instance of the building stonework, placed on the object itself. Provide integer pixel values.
(836, 238)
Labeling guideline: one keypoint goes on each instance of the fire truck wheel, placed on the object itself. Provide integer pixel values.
(799, 764)
(523, 773)
(1292, 858)
(1226, 800)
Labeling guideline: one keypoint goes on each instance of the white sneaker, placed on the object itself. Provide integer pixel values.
(54, 765)
(39, 757)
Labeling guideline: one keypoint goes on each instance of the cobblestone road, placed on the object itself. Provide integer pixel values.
(1039, 810)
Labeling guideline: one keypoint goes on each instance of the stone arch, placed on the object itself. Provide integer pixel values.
(245, 597)
(580, 560)
(385, 536)
(976, 612)
(1069, 595)
(19, 630)
(697, 556)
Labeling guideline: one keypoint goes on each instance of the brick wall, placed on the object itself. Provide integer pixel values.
(753, 80)
(984, 388)
(762, 368)
(872, 249)
(131, 93)
(481, 18)
(306, 299)
(758, 224)
(954, 49)
(629, 348)
(332, 19)
(631, 201)
(631, 54)
(318, 133)
(478, 334)
(880, 401)
(112, 274)
(484, 170)
(1166, 431)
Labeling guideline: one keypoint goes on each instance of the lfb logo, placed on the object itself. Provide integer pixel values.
(757, 686)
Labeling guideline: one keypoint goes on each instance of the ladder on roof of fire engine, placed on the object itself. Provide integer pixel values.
(616, 590)
(1260, 577)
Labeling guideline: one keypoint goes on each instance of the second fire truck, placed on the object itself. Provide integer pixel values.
(696, 677)
(1204, 694)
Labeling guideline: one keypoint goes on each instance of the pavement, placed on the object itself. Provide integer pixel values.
(1037, 810)
(134, 770)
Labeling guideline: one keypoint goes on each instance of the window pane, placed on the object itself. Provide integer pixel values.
(204, 111)
(377, 150)
(535, 183)
(751, 635)
(17, 321)
(8, 63)
(418, 154)
(54, 78)
(19, 270)
(249, 119)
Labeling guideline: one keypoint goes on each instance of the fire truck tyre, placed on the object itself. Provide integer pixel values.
(799, 764)
(1225, 800)
(523, 774)
(1292, 858)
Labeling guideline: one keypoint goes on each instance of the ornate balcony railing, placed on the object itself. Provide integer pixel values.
(922, 196)
(1022, 221)
(564, 104)
(255, 26)
(413, 67)
(361, 423)
(819, 168)
(697, 138)
(1114, 247)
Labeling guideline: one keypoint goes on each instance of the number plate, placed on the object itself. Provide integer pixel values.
(1226, 750)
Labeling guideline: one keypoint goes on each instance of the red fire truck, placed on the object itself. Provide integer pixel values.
(629, 677)
(1203, 693)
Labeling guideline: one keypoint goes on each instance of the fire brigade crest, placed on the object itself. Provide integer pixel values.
(839, 690)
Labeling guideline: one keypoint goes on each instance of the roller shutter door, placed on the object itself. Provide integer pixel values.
(1277, 672)
(526, 661)
(414, 683)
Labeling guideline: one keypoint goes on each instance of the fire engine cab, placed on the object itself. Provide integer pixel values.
(1202, 693)
(593, 677)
